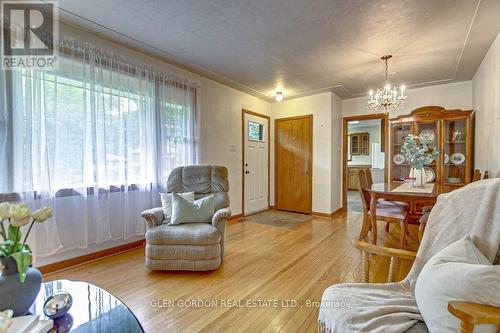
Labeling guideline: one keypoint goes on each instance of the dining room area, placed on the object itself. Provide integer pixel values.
(428, 152)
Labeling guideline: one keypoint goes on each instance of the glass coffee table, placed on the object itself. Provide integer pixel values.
(93, 310)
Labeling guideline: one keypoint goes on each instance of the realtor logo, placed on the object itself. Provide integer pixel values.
(30, 31)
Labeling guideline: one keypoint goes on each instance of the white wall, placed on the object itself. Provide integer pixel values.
(325, 108)
(486, 100)
(450, 96)
(221, 126)
(336, 165)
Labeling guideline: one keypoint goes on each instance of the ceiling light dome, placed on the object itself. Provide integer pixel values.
(279, 96)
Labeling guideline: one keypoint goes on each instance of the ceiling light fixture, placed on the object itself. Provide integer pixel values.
(387, 99)
(279, 96)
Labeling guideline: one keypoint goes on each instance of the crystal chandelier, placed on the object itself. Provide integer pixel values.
(387, 99)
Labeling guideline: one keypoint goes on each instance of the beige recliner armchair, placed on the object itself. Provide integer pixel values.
(190, 246)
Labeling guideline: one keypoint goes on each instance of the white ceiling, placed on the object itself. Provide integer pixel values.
(302, 47)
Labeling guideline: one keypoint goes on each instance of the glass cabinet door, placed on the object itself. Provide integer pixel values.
(355, 145)
(400, 168)
(455, 151)
(365, 144)
(430, 132)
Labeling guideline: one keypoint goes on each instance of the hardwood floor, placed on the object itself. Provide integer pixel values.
(265, 267)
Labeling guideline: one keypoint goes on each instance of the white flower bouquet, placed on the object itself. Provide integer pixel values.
(18, 215)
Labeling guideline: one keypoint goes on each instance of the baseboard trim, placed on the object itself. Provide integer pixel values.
(332, 214)
(86, 258)
(235, 217)
(338, 211)
(321, 214)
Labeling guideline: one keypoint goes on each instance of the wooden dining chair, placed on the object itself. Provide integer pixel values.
(389, 212)
(477, 175)
(369, 183)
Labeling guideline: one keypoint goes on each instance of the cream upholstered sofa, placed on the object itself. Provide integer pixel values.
(190, 246)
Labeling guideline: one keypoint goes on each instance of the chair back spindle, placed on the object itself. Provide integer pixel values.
(365, 196)
(477, 175)
(369, 180)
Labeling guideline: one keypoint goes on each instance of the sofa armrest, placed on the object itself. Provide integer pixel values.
(395, 254)
(153, 217)
(223, 213)
(471, 314)
(384, 251)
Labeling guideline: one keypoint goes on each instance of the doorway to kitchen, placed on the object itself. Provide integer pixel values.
(364, 148)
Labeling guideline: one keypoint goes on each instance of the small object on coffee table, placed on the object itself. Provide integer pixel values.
(58, 304)
(103, 311)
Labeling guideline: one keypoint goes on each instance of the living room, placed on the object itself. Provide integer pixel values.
(192, 166)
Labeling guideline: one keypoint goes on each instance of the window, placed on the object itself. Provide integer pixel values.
(255, 131)
(94, 139)
(76, 130)
(175, 136)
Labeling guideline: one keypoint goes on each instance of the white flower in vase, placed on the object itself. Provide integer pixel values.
(4, 211)
(43, 214)
(19, 214)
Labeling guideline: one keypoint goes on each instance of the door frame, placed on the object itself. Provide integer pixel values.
(384, 130)
(268, 139)
(310, 160)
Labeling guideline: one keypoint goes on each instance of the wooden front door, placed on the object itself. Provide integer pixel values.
(293, 156)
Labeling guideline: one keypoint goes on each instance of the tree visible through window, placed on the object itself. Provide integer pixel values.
(255, 131)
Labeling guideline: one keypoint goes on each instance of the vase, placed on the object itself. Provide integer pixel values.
(17, 295)
(419, 175)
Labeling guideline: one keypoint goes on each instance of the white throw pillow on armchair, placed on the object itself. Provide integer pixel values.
(166, 203)
(459, 272)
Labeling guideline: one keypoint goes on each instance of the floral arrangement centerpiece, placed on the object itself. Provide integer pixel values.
(419, 152)
(20, 283)
(18, 215)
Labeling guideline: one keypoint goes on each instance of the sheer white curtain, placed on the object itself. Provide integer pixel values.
(95, 140)
(178, 124)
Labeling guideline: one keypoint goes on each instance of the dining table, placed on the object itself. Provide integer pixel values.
(416, 198)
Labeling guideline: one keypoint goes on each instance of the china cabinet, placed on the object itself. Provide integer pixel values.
(452, 133)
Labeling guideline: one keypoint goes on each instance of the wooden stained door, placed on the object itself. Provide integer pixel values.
(293, 159)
